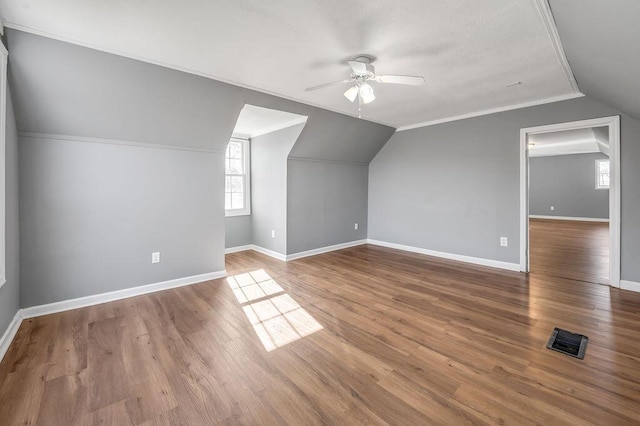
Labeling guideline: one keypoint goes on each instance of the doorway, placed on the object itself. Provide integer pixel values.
(607, 125)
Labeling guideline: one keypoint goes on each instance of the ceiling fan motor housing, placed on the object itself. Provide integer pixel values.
(367, 60)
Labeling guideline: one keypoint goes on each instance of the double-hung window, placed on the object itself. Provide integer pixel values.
(602, 174)
(237, 185)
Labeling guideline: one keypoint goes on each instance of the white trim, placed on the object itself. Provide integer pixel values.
(10, 333)
(269, 253)
(96, 299)
(578, 219)
(544, 9)
(58, 137)
(294, 256)
(31, 30)
(451, 256)
(629, 285)
(613, 124)
(326, 249)
(280, 126)
(3, 168)
(238, 248)
(490, 111)
(240, 136)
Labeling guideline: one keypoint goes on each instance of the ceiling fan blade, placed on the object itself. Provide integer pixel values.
(358, 67)
(322, 86)
(412, 80)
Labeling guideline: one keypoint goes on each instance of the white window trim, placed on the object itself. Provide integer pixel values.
(598, 161)
(3, 167)
(246, 155)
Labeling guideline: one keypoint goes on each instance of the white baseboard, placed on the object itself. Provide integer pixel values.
(326, 249)
(238, 248)
(451, 256)
(294, 256)
(270, 253)
(579, 219)
(629, 285)
(8, 335)
(96, 299)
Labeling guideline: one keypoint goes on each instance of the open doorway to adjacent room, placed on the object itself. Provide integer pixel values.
(570, 202)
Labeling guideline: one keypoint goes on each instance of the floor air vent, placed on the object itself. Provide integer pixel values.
(568, 343)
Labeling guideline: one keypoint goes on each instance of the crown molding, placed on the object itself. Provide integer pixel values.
(490, 111)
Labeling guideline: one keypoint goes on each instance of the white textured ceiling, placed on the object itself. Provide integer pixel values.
(255, 121)
(467, 50)
(579, 141)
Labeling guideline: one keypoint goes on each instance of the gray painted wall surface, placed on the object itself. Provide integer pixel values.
(600, 40)
(328, 198)
(567, 182)
(454, 187)
(10, 291)
(110, 206)
(269, 186)
(92, 214)
(238, 231)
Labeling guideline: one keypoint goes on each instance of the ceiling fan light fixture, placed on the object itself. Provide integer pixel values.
(366, 93)
(351, 93)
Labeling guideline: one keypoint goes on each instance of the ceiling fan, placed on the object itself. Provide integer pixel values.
(362, 73)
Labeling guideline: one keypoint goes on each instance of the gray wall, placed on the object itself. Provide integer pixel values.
(10, 291)
(600, 42)
(326, 199)
(238, 231)
(269, 187)
(92, 213)
(454, 187)
(567, 182)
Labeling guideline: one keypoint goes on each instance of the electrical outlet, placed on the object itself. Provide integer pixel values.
(355, 227)
(273, 233)
(504, 242)
(155, 257)
(553, 208)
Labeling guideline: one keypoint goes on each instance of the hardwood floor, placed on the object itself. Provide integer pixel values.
(365, 335)
(570, 249)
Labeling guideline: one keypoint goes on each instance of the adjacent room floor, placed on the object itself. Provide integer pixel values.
(365, 335)
(570, 249)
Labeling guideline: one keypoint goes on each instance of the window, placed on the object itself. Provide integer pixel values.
(602, 174)
(237, 195)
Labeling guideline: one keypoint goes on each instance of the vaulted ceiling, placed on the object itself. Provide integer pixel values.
(601, 41)
(476, 55)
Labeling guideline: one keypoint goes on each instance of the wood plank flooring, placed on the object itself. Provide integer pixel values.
(570, 249)
(365, 335)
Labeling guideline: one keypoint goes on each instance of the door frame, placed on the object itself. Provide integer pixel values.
(613, 123)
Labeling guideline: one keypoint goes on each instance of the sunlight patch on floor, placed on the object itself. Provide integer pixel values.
(275, 316)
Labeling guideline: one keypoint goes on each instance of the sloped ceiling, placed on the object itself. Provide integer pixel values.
(255, 121)
(602, 42)
(64, 89)
(469, 51)
(579, 141)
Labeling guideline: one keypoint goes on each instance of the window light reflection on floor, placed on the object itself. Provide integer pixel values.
(276, 318)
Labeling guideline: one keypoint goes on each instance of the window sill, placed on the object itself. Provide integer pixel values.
(234, 213)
